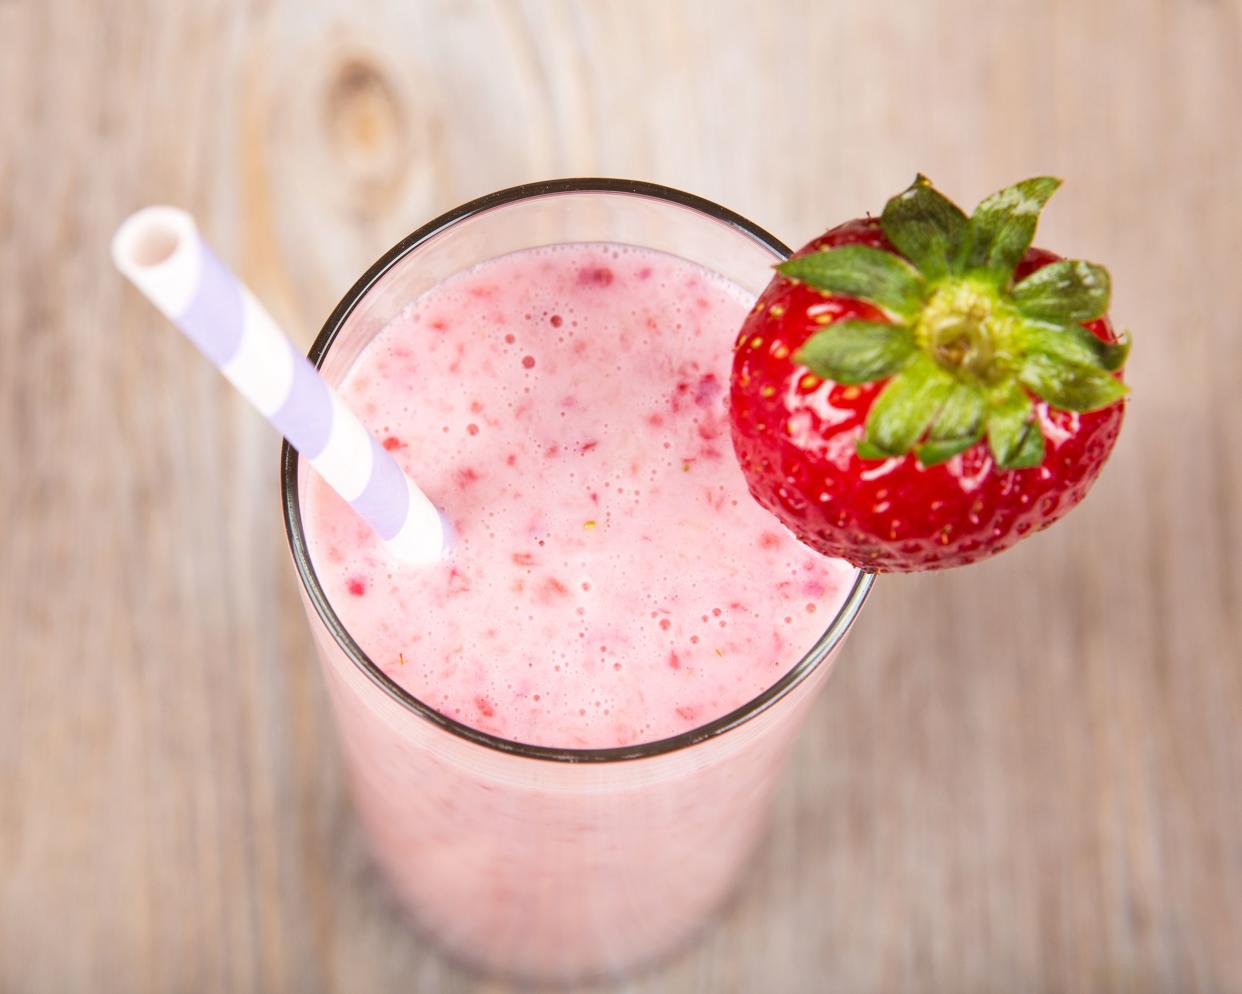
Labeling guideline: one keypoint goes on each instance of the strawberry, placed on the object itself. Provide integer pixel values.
(922, 390)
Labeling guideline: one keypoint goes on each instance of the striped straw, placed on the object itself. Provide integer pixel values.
(160, 250)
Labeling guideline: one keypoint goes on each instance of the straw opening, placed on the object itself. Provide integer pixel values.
(153, 245)
(151, 238)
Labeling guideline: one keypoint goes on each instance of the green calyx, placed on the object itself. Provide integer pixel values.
(966, 347)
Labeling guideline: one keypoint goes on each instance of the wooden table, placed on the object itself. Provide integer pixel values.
(1025, 776)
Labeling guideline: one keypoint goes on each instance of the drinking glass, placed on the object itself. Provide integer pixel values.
(545, 863)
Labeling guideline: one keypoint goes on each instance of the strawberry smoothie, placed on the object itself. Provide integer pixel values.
(567, 406)
(563, 739)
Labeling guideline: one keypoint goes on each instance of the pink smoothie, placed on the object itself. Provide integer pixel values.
(611, 581)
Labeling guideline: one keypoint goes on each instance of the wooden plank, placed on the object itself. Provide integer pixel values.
(1024, 776)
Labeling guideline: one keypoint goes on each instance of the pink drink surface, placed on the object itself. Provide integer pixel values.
(611, 581)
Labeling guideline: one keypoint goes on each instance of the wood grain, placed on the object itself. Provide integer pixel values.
(1025, 776)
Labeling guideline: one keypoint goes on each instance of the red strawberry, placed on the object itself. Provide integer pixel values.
(921, 390)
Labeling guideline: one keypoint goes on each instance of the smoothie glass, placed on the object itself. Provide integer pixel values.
(537, 862)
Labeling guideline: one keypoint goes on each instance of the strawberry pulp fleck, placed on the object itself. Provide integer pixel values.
(552, 588)
(715, 498)
(356, 586)
(600, 276)
(708, 390)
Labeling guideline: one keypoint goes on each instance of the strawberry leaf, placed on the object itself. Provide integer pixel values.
(861, 271)
(1014, 434)
(1069, 386)
(1002, 226)
(926, 227)
(934, 453)
(1116, 354)
(904, 408)
(1030, 451)
(1074, 345)
(1066, 290)
(866, 450)
(958, 426)
(857, 351)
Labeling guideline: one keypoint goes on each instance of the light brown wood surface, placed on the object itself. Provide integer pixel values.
(1025, 776)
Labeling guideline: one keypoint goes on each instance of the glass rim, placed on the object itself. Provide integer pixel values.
(289, 464)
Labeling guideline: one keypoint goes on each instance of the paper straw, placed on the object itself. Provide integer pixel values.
(160, 250)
